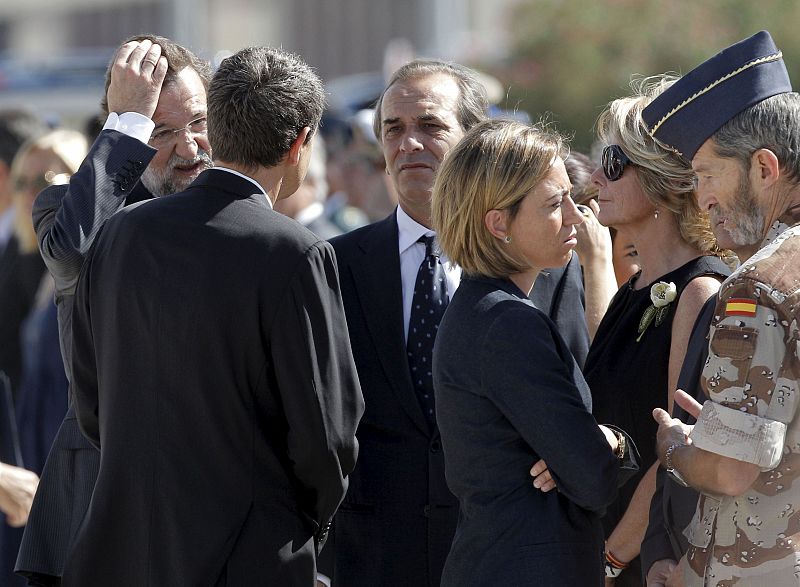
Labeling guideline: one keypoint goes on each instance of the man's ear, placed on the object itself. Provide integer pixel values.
(496, 222)
(293, 156)
(765, 167)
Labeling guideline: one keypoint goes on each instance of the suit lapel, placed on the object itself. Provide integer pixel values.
(377, 280)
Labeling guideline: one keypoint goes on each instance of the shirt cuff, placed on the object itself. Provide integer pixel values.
(324, 579)
(133, 124)
(739, 435)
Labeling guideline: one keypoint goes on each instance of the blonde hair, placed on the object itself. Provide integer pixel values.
(666, 178)
(69, 147)
(495, 165)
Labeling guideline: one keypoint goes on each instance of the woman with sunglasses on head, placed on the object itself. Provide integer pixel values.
(508, 390)
(636, 356)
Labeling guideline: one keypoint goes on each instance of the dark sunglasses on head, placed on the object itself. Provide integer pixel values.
(614, 162)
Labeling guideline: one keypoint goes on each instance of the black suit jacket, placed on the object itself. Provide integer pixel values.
(218, 383)
(67, 220)
(509, 393)
(397, 521)
(559, 293)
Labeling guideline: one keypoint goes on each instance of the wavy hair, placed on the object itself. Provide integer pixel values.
(666, 178)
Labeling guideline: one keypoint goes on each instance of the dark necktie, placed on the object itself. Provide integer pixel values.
(427, 307)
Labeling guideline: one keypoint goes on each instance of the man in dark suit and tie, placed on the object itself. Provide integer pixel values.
(397, 521)
(156, 94)
(218, 380)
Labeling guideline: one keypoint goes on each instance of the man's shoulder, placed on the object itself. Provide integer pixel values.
(772, 275)
(362, 239)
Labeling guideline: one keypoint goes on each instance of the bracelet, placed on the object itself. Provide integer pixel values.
(671, 470)
(614, 567)
(621, 445)
(614, 561)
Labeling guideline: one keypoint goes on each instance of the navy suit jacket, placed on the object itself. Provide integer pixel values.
(559, 293)
(67, 220)
(219, 385)
(396, 523)
(508, 394)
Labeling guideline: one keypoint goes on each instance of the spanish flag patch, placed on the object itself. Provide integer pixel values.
(740, 307)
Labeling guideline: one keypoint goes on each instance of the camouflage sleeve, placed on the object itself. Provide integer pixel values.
(750, 376)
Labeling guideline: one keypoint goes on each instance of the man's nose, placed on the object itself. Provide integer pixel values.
(410, 143)
(186, 146)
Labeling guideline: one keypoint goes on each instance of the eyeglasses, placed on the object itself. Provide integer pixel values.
(614, 162)
(38, 183)
(164, 137)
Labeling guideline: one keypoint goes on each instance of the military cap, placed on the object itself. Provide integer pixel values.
(701, 102)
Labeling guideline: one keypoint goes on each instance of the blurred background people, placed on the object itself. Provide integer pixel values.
(508, 391)
(306, 204)
(40, 162)
(633, 364)
(16, 127)
(47, 160)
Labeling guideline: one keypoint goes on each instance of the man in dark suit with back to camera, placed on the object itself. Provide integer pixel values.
(217, 380)
(156, 94)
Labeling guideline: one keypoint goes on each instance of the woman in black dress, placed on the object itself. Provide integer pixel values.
(636, 355)
(508, 391)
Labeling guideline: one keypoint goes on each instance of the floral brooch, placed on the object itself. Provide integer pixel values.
(662, 294)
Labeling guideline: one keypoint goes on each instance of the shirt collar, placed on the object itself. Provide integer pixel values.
(409, 230)
(788, 219)
(250, 179)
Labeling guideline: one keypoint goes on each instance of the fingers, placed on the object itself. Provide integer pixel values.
(151, 59)
(542, 479)
(539, 468)
(662, 417)
(124, 53)
(688, 403)
(138, 54)
(160, 71)
(136, 78)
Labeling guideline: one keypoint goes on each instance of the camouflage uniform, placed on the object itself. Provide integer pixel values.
(751, 377)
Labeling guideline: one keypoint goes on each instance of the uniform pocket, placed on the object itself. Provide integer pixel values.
(731, 355)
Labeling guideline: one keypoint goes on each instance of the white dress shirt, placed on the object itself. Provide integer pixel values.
(411, 255)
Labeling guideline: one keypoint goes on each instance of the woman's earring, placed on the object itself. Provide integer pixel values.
(507, 239)
(655, 215)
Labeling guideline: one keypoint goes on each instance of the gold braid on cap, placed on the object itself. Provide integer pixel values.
(712, 85)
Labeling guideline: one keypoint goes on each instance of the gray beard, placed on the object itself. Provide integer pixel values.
(165, 183)
(745, 216)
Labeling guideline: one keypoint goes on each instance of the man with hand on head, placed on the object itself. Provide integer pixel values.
(217, 381)
(153, 143)
(738, 121)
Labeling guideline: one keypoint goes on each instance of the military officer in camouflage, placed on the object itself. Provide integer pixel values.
(737, 120)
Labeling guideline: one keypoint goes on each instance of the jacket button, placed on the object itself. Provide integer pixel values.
(436, 446)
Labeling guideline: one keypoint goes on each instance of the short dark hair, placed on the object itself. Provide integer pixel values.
(259, 101)
(16, 127)
(472, 101)
(178, 59)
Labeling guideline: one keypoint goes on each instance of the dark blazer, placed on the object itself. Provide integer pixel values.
(219, 385)
(396, 523)
(673, 505)
(559, 293)
(508, 393)
(67, 219)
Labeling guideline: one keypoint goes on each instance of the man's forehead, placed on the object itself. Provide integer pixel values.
(429, 93)
(181, 100)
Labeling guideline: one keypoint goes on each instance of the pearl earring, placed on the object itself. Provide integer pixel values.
(655, 215)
